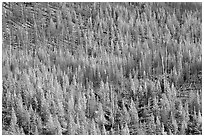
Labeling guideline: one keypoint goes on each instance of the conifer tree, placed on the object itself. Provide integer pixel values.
(35, 130)
(183, 128)
(71, 124)
(39, 125)
(92, 128)
(134, 113)
(13, 124)
(58, 128)
(158, 125)
(49, 128)
(99, 117)
(125, 130)
(199, 119)
(103, 130)
(175, 125)
(21, 132)
(162, 130)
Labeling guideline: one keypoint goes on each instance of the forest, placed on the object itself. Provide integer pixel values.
(101, 68)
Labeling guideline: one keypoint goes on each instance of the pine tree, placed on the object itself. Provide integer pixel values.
(58, 128)
(141, 130)
(21, 131)
(84, 128)
(103, 130)
(175, 125)
(99, 115)
(125, 130)
(199, 119)
(44, 111)
(92, 128)
(183, 128)
(158, 125)
(126, 114)
(151, 126)
(49, 128)
(91, 105)
(39, 126)
(13, 124)
(35, 130)
(134, 118)
(162, 130)
(71, 124)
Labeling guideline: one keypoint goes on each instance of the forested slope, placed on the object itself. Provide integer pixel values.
(102, 68)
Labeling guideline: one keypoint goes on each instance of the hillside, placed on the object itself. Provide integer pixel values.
(102, 68)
